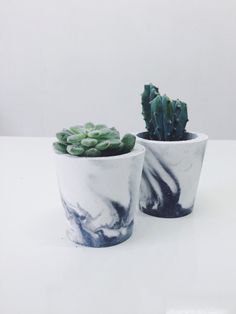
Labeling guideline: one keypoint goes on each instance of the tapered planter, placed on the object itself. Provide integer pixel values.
(99, 195)
(171, 174)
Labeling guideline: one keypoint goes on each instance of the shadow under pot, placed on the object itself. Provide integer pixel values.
(100, 195)
(171, 174)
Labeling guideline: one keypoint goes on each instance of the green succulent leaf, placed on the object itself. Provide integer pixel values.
(76, 129)
(59, 148)
(100, 126)
(94, 134)
(62, 136)
(76, 138)
(109, 134)
(103, 145)
(89, 142)
(75, 150)
(89, 126)
(128, 141)
(115, 143)
(93, 152)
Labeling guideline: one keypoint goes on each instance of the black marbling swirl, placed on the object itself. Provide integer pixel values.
(81, 222)
(158, 198)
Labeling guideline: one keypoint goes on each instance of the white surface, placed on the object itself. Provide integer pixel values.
(168, 266)
(67, 61)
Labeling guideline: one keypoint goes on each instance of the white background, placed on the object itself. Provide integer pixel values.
(66, 62)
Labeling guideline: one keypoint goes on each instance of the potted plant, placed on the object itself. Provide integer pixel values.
(173, 158)
(99, 177)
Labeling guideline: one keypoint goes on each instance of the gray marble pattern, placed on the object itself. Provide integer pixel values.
(170, 176)
(99, 196)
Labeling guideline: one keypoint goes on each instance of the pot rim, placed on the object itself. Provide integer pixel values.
(199, 137)
(137, 150)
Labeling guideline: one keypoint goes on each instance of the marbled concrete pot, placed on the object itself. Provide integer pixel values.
(171, 174)
(100, 195)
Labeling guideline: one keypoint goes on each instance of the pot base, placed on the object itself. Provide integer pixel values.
(102, 243)
(166, 213)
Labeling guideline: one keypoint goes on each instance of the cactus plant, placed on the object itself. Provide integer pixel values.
(92, 140)
(165, 118)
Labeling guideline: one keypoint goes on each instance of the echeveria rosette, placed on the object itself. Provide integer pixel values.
(165, 119)
(92, 140)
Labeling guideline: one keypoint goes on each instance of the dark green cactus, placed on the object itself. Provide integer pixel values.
(165, 118)
(93, 141)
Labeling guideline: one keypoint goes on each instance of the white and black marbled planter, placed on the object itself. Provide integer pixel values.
(171, 174)
(100, 195)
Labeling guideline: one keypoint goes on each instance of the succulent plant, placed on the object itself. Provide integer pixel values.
(91, 140)
(165, 118)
